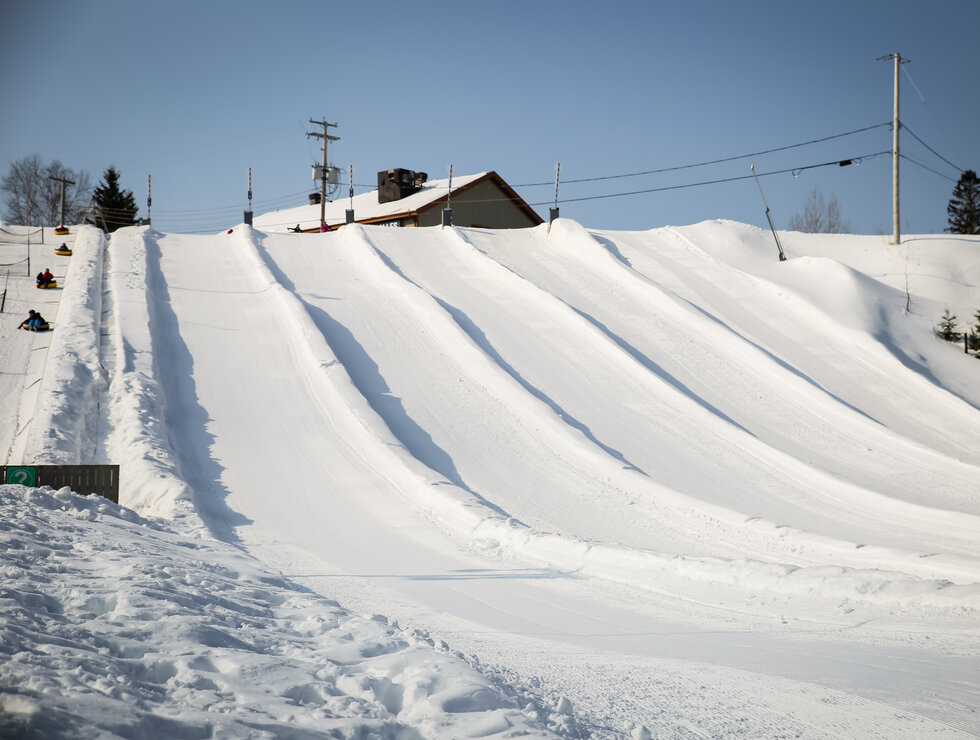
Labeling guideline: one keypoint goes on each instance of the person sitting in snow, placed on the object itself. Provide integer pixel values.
(296, 228)
(45, 278)
(34, 320)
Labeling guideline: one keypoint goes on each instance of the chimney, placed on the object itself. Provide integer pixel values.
(398, 183)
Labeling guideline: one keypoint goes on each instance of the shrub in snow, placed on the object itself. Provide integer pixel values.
(973, 340)
(947, 327)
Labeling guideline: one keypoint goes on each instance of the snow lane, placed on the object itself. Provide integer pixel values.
(361, 418)
(532, 335)
(399, 339)
(299, 435)
(450, 404)
(723, 364)
(848, 347)
(205, 350)
(584, 276)
(24, 355)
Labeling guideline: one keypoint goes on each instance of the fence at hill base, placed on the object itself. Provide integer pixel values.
(84, 479)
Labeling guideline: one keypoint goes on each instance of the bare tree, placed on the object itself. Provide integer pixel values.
(819, 217)
(835, 222)
(33, 198)
(22, 184)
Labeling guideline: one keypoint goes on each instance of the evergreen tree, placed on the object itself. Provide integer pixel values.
(964, 206)
(114, 206)
(947, 327)
(973, 340)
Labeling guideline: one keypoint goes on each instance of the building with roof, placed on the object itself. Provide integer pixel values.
(408, 198)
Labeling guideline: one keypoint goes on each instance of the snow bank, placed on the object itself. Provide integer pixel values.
(139, 441)
(116, 626)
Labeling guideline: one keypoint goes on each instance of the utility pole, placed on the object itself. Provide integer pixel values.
(63, 182)
(323, 170)
(896, 124)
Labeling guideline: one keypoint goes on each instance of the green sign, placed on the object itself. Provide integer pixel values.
(22, 476)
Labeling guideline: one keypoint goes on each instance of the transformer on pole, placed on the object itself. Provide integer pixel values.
(323, 170)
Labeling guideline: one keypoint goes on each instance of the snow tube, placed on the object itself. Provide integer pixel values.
(61, 230)
(43, 327)
(45, 286)
(64, 252)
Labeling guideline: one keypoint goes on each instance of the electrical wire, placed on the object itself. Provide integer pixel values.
(926, 167)
(794, 170)
(713, 161)
(960, 170)
(197, 217)
(204, 226)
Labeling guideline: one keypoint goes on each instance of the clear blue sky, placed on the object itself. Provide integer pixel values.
(195, 93)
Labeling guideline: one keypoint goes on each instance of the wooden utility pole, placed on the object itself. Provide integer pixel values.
(63, 182)
(323, 171)
(896, 124)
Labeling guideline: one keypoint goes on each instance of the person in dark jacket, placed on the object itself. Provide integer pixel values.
(34, 320)
(45, 278)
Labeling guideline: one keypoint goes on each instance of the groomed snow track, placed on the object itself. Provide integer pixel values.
(515, 422)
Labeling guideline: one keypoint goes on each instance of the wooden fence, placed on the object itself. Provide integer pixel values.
(84, 479)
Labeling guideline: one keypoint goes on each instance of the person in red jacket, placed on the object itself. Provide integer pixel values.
(45, 278)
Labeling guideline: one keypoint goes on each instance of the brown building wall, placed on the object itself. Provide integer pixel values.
(484, 205)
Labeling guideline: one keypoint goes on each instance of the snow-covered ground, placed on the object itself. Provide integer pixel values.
(465, 482)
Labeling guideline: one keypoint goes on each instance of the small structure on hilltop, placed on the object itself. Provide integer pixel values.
(409, 198)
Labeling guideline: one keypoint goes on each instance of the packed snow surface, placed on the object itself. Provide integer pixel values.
(464, 482)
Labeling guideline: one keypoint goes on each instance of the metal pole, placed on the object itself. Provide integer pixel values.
(782, 257)
(29, 242)
(447, 212)
(323, 182)
(553, 212)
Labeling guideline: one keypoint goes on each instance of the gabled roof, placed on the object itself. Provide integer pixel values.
(367, 209)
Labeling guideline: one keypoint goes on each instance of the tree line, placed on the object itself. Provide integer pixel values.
(39, 194)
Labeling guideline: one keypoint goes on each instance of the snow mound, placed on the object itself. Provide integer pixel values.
(115, 626)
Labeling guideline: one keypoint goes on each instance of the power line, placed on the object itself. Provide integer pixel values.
(958, 169)
(793, 170)
(714, 161)
(926, 167)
